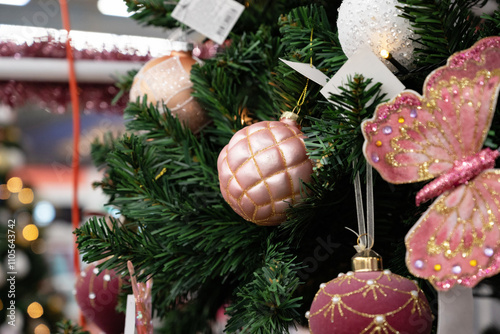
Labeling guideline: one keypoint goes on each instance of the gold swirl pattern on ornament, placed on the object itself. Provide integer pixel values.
(376, 326)
(348, 278)
(384, 328)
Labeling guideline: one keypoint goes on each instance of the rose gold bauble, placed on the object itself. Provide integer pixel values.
(261, 169)
(369, 301)
(97, 296)
(167, 79)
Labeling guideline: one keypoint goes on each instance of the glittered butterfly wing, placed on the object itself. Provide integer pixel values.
(457, 240)
(414, 138)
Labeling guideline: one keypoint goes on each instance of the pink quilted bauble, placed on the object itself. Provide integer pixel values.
(370, 302)
(261, 168)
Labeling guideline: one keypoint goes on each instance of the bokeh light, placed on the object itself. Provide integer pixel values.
(4, 192)
(26, 196)
(114, 212)
(44, 213)
(23, 264)
(23, 218)
(55, 303)
(42, 329)
(35, 310)
(14, 184)
(30, 232)
(38, 246)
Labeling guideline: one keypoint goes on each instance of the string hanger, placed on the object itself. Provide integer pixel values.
(366, 228)
(302, 96)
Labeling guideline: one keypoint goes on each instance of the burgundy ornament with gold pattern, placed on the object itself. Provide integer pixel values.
(97, 296)
(369, 300)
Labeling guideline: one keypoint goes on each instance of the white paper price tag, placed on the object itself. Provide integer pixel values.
(130, 316)
(309, 72)
(366, 63)
(212, 18)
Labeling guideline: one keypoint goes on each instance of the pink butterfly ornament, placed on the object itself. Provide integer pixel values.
(440, 135)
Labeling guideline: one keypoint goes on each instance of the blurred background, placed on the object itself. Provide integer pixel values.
(35, 169)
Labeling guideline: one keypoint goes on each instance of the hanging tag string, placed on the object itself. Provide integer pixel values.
(360, 210)
(370, 215)
(302, 96)
(301, 99)
(366, 231)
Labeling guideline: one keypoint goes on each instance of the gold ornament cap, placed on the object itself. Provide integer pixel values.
(289, 115)
(290, 118)
(366, 260)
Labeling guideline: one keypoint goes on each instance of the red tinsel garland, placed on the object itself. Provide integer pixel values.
(55, 97)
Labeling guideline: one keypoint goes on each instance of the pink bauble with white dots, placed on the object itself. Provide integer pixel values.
(261, 170)
(96, 294)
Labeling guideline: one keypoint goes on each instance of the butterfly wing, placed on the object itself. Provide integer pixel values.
(414, 138)
(457, 240)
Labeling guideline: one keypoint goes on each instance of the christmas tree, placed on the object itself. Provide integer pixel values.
(163, 177)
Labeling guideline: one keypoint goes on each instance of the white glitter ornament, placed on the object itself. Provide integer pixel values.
(377, 25)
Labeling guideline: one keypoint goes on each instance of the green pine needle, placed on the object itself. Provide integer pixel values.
(266, 304)
(68, 327)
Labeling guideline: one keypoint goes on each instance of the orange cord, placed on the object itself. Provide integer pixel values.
(73, 89)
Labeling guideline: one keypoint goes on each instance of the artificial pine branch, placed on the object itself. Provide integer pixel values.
(491, 24)
(235, 85)
(124, 83)
(307, 38)
(334, 140)
(195, 313)
(266, 303)
(338, 132)
(442, 28)
(67, 327)
(257, 12)
(153, 12)
(297, 28)
(100, 148)
(179, 228)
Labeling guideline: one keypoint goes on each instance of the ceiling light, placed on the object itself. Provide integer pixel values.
(113, 8)
(14, 2)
